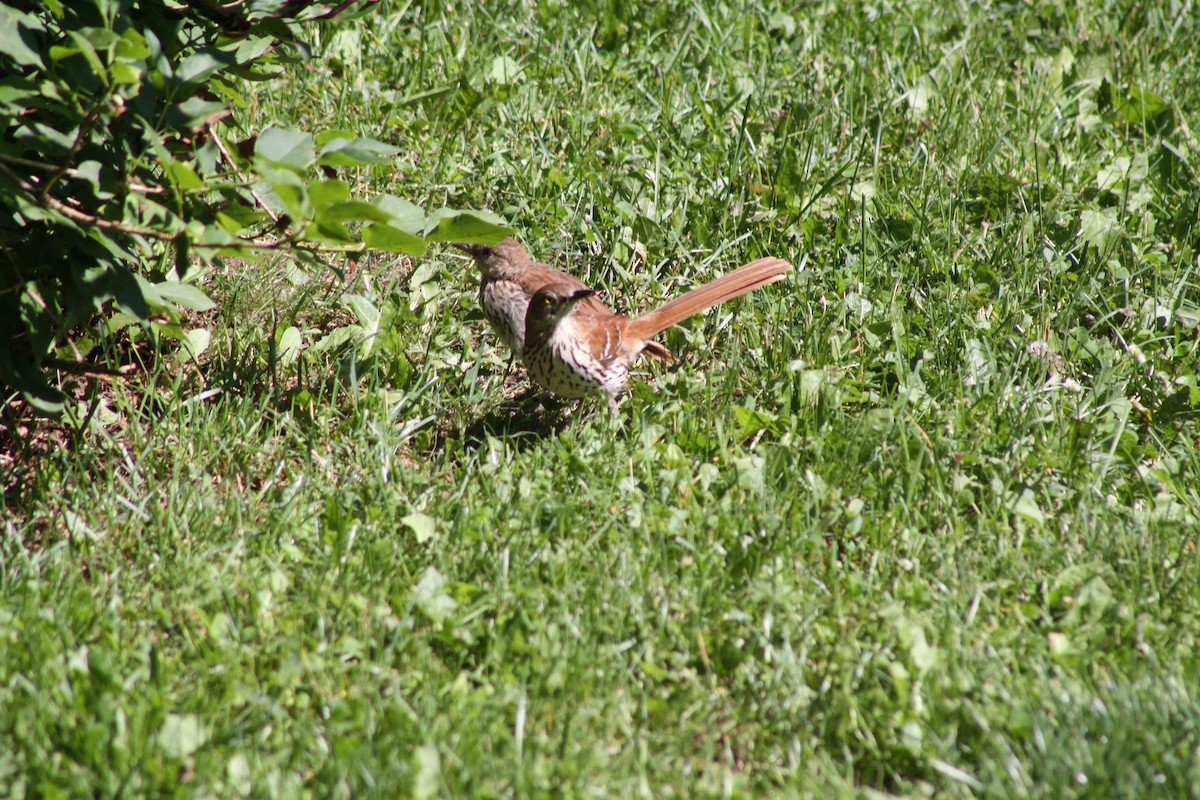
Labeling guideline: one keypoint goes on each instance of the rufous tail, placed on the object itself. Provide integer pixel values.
(745, 278)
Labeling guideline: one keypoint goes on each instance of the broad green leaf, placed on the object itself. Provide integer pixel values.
(125, 75)
(13, 24)
(427, 764)
(184, 294)
(327, 193)
(431, 596)
(181, 735)
(193, 113)
(194, 342)
(504, 71)
(392, 240)
(230, 224)
(133, 293)
(406, 216)
(239, 774)
(182, 174)
(422, 526)
(286, 147)
(1026, 507)
(338, 338)
(197, 67)
(782, 22)
(751, 421)
(97, 38)
(289, 345)
(132, 46)
(1137, 105)
(15, 90)
(47, 140)
(355, 152)
(252, 48)
(978, 362)
(88, 51)
(475, 227)
(364, 311)
(1098, 227)
(89, 171)
(354, 209)
(328, 231)
(750, 472)
(285, 187)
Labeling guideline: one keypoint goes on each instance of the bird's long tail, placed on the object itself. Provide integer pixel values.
(745, 278)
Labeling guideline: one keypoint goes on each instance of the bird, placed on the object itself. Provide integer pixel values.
(508, 277)
(574, 346)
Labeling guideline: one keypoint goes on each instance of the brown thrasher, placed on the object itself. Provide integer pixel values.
(574, 346)
(508, 277)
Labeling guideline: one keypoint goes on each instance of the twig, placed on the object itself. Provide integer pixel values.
(212, 131)
(84, 128)
(90, 370)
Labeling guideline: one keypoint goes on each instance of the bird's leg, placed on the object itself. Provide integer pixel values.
(614, 403)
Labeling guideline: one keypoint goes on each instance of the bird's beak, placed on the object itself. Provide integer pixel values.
(582, 293)
(466, 248)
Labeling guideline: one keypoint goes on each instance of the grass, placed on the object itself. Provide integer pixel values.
(921, 520)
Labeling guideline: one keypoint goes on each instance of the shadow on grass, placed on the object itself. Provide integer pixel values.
(523, 419)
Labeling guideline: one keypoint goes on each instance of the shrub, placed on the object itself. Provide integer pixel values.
(119, 172)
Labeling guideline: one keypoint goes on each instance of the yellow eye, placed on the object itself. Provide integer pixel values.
(545, 301)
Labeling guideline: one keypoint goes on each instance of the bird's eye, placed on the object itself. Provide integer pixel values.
(545, 301)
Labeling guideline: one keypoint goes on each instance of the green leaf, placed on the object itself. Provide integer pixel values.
(392, 240)
(286, 188)
(979, 363)
(181, 735)
(751, 422)
(474, 227)
(504, 71)
(184, 294)
(125, 75)
(427, 764)
(132, 46)
(12, 25)
(289, 345)
(252, 48)
(326, 193)
(14, 91)
(191, 114)
(286, 147)
(431, 596)
(1027, 508)
(47, 140)
(363, 309)
(88, 51)
(194, 342)
(405, 215)
(353, 209)
(327, 231)
(422, 526)
(1137, 105)
(182, 174)
(197, 67)
(355, 152)
(1099, 227)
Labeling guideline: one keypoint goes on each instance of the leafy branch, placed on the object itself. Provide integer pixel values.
(113, 155)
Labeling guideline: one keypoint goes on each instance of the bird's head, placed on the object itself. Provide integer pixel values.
(551, 303)
(494, 260)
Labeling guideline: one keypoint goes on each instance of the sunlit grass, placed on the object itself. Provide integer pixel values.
(921, 519)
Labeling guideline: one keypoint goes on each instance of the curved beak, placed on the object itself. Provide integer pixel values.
(581, 293)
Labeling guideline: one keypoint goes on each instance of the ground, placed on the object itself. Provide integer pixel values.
(919, 520)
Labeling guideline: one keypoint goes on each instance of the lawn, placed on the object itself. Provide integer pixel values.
(920, 520)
